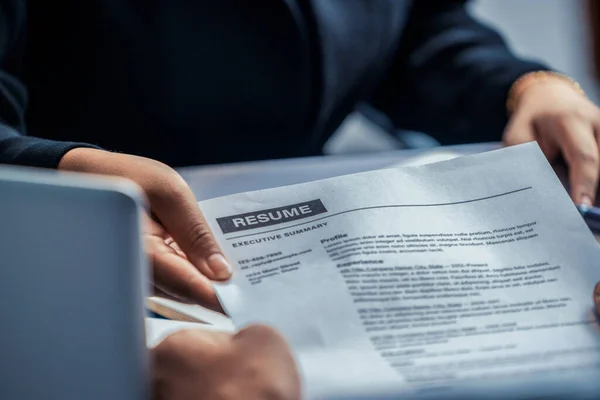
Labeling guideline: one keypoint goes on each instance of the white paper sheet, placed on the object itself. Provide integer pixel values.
(189, 312)
(458, 278)
(157, 329)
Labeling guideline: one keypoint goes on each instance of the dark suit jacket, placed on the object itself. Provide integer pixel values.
(192, 82)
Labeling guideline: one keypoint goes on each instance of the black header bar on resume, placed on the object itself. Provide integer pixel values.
(272, 216)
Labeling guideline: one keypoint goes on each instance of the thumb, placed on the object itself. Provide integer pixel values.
(177, 210)
(580, 149)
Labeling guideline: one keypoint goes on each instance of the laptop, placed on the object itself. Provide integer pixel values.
(72, 284)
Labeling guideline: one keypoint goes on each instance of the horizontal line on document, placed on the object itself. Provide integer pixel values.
(384, 206)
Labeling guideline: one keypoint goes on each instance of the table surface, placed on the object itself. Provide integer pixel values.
(221, 180)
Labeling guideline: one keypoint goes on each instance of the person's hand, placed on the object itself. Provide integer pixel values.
(256, 363)
(183, 252)
(564, 122)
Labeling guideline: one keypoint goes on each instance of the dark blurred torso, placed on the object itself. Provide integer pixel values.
(194, 82)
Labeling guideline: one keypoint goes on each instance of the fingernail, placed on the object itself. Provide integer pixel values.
(219, 266)
(586, 200)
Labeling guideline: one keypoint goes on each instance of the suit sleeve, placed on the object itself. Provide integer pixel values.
(450, 76)
(15, 146)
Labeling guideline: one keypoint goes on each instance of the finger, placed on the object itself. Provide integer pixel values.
(173, 244)
(580, 150)
(274, 353)
(178, 212)
(260, 336)
(151, 227)
(182, 352)
(178, 278)
(189, 346)
(521, 130)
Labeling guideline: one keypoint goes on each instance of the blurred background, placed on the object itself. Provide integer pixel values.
(564, 34)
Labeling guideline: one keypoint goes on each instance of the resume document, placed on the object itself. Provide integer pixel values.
(467, 278)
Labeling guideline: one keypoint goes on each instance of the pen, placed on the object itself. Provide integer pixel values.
(591, 216)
